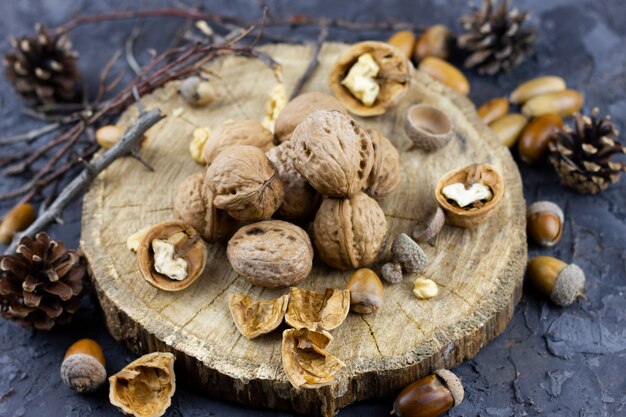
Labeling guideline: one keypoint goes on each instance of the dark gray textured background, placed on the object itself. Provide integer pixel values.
(550, 361)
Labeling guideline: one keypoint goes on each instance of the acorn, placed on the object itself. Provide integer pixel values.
(107, 136)
(563, 283)
(493, 110)
(535, 87)
(404, 40)
(195, 91)
(436, 41)
(430, 396)
(544, 223)
(16, 220)
(366, 291)
(564, 103)
(508, 128)
(532, 145)
(445, 73)
(83, 367)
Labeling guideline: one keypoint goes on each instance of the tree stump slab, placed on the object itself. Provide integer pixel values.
(479, 271)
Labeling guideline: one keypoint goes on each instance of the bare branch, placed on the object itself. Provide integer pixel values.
(313, 63)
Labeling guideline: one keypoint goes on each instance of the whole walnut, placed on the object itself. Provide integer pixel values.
(299, 108)
(301, 200)
(385, 175)
(271, 253)
(333, 153)
(193, 205)
(244, 132)
(245, 183)
(349, 233)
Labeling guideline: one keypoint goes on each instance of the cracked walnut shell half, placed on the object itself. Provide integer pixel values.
(245, 183)
(471, 176)
(254, 318)
(144, 388)
(393, 77)
(306, 363)
(317, 311)
(172, 255)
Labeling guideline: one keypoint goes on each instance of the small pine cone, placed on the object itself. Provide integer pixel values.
(583, 156)
(42, 284)
(495, 39)
(42, 68)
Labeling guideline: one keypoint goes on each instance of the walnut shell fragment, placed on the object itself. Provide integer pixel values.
(306, 363)
(271, 253)
(193, 205)
(244, 132)
(385, 175)
(245, 183)
(144, 388)
(299, 108)
(393, 77)
(188, 249)
(349, 233)
(301, 201)
(333, 153)
(254, 318)
(317, 311)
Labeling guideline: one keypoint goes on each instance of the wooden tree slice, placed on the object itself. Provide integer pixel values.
(479, 271)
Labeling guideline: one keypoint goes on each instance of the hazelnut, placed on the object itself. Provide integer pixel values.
(349, 233)
(436, 41)
(430, 396)
(564, 103)
(195, 91)
(430, 229)
(445, 73)
(366, 291)
(271, 253)
(370, 78)
(299, 108)
(244, 132)
(428, 128)
(404, 40)
(316, 310)
(333, 153)
(16, 220)
(532, 145)
(193, 204)
(83, 367)
(200, 136)
(493, 110)
(508, 128)
(301, 201)
(108, 135)
(385, 175)
(544, 223)
(245, 183)
(172, 256)
(408, 253)
(563, 283)
(254, 318)
(535, 87)
(144, 388)
(424, 288)
(392, 272)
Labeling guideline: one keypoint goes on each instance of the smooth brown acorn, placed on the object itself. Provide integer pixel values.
(563, 283)
(430, 396)
(544, 223)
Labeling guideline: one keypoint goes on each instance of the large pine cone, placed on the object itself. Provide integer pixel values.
(41, 285)
(43, 68)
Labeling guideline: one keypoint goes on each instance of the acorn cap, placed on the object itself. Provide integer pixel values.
(428, 128)
(545, 206)
(83, 372)
(408, 253)
(453, 383)
(569, 285)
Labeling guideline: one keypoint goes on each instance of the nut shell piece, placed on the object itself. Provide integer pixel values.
(349, 233)
(245, 183)
(301, 201)
(317, 311)
(333, 153)
(144, 388)
(306, 363)
(190, 247)
(244, 132)
(193, 205)
(472, 216)
(394, 77)
(299, 108)
(428, 128)
(569, 285)
(385, 175)
(428, 231)
(254, 318)
(271, 253)
(408, 253)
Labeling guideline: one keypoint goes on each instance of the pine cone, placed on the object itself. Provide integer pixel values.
(582, 157)
(495, 38)
(43, 68)
(42, 284)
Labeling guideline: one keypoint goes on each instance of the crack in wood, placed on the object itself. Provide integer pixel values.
(411, 319)
(373, 335)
